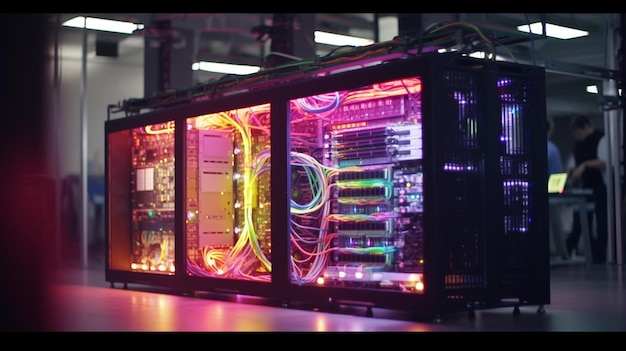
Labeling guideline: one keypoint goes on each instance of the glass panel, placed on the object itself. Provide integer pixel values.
(142, 234)
(228, 209)
(357, 188)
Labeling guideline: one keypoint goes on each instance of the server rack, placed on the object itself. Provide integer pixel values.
(439, 200)
(181, 200)
(416, 183)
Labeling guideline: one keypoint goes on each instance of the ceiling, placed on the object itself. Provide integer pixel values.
(228, 37)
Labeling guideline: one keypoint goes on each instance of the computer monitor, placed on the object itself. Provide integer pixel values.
(556, 183)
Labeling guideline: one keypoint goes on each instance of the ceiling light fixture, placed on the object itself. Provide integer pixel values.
(103, 24)
(225, 68)
(340, 40)
(593, 89)
(552, 30)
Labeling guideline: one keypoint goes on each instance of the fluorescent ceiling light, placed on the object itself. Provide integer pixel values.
(593, 89)
(226, 68)
(103, 24)
(340, 40)
(553, 30)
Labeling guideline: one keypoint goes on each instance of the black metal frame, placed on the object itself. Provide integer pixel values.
(505, 265)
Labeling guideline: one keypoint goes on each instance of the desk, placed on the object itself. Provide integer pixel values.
(580, 199)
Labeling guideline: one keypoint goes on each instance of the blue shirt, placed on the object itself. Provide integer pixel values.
(555, 165)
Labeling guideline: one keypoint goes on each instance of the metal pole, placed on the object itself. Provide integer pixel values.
(83, 152)
(613, 167)
(55, 139)
(622, 69)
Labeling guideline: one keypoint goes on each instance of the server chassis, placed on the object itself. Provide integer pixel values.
(416, 184)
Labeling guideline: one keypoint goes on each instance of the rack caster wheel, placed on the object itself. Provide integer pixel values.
(541, 310)
(333, 306)
(471, 315)
(471, 311)
(516, 311)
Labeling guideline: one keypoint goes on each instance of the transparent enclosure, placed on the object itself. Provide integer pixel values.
(141, 179)
(227, 201)
(357, 187)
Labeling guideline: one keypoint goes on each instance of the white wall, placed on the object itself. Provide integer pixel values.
(109, 80)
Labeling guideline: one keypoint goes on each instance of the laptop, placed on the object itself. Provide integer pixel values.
(556, 183)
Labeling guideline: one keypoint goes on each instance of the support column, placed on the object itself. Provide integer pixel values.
(611, 126)
(413, 24)
(83, 155)
(409, 24)
(168, 53)
(304, 36)
(622, 85)
(281, 39)
(164, 52)
(619, 130)
(292, 38)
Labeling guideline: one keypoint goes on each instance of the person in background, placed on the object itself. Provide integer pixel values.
(588, 173)
(555, 165)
